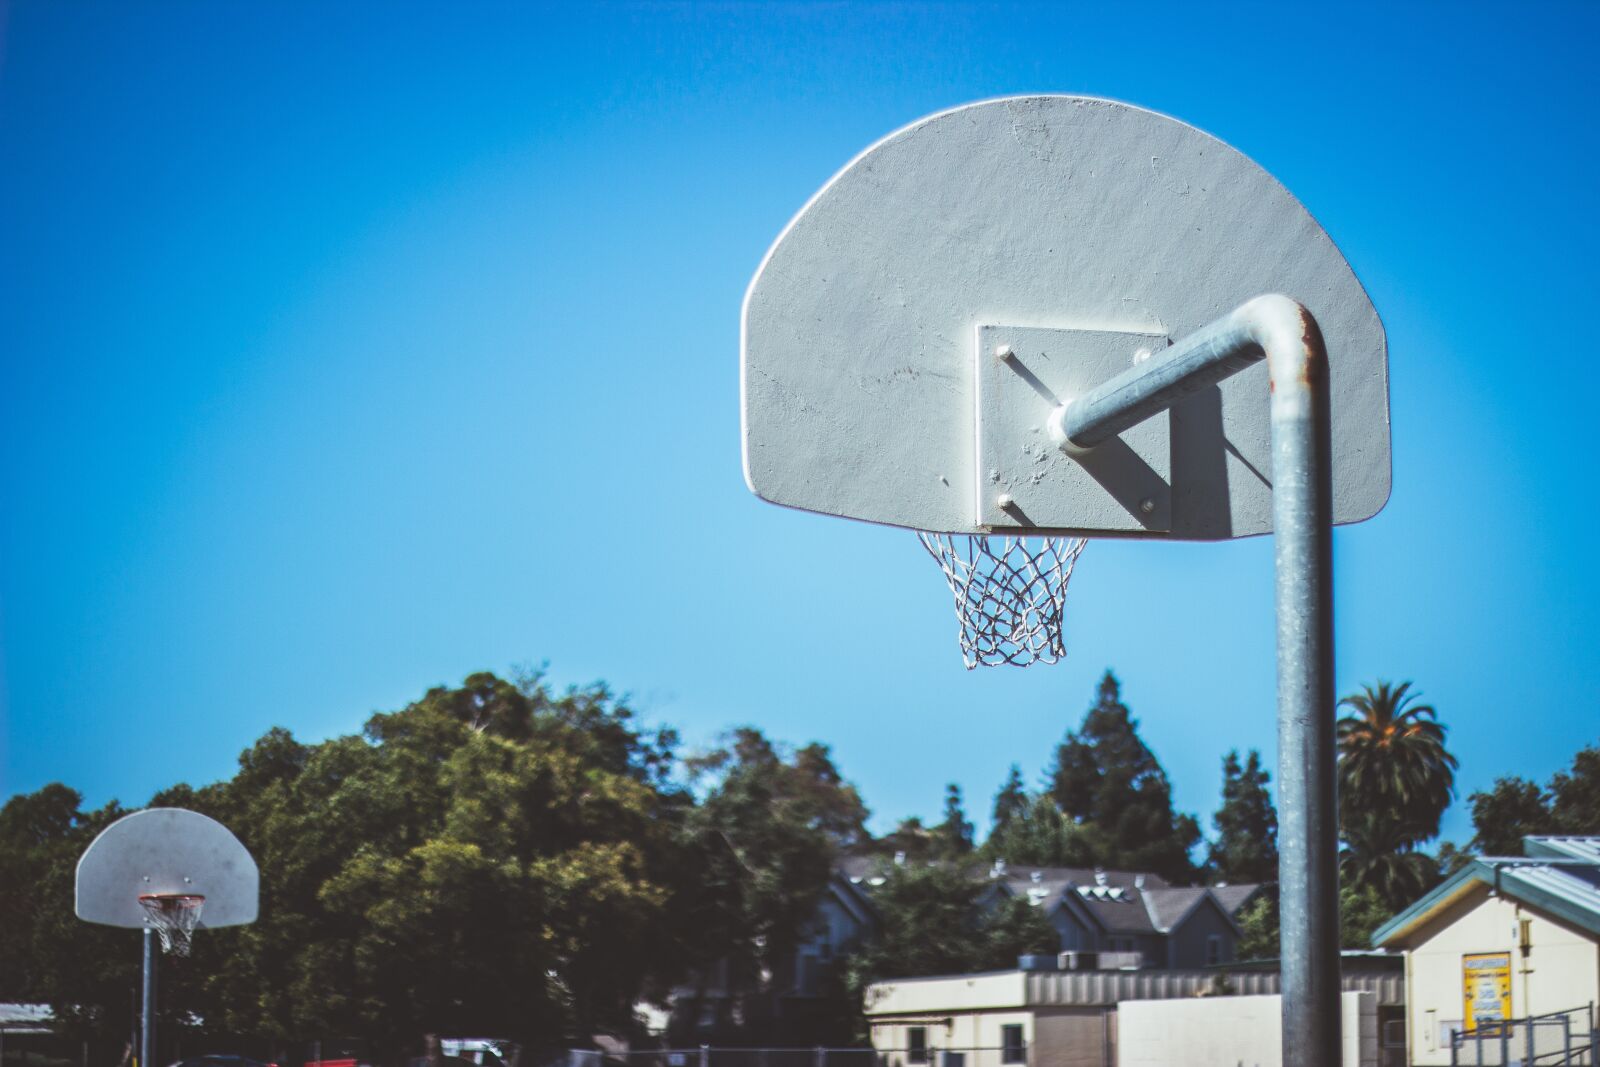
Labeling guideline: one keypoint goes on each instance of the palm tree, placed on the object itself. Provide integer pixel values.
(1376, 857)
(1393, 766)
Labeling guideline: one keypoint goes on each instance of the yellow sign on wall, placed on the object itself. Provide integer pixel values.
(1486, 978)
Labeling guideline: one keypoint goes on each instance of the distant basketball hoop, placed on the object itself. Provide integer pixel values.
(158, 871)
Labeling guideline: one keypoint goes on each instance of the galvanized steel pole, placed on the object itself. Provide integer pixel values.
(1282, 332)
(147, 1007)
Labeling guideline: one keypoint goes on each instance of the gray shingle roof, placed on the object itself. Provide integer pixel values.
(1121, 902)
(1168, 906)
(1234, 897)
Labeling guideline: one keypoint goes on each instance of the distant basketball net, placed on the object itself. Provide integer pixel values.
(1009, 594)
(174, 917)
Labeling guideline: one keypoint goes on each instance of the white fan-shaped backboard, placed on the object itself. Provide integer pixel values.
(166, 850)
(1076, 232)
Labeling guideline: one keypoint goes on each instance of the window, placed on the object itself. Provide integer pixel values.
(1213, 950)
(1012, 1049)
(955, 1059)
(916, 1044)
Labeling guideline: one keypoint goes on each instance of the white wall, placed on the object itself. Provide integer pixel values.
(974, 992)
(1231, 1032)
(958, 1013)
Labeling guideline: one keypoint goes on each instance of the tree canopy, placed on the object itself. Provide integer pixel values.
(1514, 807)
(1246, 848)
(493, 858)
(1109, 783)
(1395, 780)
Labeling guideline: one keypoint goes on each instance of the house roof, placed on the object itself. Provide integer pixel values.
(1234, 897)
(1560, 876)
(1119, 902)
(1169, 907)
(1569, 847)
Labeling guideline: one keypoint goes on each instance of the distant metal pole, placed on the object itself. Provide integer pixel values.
(147, 1007)
(1282, 332)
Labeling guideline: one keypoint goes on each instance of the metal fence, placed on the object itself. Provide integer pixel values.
(819, 1056)
(1563, 1037)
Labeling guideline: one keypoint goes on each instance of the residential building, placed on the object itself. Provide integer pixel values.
(1502, 938)
(1065, 1018)
(1106, 919)
(1135, 915)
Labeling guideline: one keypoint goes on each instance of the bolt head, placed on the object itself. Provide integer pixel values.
(1004, 352)
(1004, 500)
(1147, 505)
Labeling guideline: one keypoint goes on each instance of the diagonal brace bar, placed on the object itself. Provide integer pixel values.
(1282, 332)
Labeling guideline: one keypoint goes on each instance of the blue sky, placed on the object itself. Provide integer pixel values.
(348, 349)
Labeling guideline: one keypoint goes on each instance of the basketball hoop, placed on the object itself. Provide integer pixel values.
(1009, 593)
(174, 916)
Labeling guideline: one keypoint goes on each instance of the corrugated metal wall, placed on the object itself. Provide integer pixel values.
(1070, 988)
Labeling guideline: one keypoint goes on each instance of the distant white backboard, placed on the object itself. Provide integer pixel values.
(164, 851)
(1076, 232)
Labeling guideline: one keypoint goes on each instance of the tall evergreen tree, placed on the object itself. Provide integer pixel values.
(1107, 781)
(955, 832)
(1246, 849)
(1010, 803)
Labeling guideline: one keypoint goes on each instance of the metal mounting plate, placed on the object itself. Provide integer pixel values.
(1124, 486)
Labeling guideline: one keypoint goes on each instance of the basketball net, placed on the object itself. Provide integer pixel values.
(174, 916)
(1009, 594)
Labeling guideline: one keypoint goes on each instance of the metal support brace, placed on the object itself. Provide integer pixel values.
(1282, 332)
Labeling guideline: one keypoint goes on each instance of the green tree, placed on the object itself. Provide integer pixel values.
(495, 858)
(955, 831)
(770, 830)
(1109, 782)
(1379, 860)
(1361, 912)
(1040, 835)
(910, 840)
(1246, 849)
(1575, 794)
(86, 972)
(1503, 815)
(1013, 927)
(1011, 802)
(928, 923)
(934, 919)
(1258, 925)
(1393, 764)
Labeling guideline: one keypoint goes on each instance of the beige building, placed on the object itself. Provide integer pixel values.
(1504, 939)
(1051, 1018)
